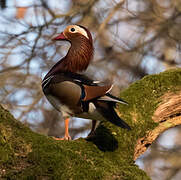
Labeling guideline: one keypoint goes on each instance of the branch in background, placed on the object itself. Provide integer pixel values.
(3, 4)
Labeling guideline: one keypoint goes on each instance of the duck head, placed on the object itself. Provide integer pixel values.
(81, 51)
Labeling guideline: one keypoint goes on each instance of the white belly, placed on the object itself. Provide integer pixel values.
(91, 114)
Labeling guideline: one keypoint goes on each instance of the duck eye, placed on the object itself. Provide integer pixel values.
(72, 29)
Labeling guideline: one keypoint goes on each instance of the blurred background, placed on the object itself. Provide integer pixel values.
(132, 39)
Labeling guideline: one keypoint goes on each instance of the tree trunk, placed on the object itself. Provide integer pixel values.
(154, 106)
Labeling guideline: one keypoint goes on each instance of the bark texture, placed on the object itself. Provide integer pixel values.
(154, 106)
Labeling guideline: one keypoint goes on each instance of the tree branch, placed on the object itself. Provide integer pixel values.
(110, 154)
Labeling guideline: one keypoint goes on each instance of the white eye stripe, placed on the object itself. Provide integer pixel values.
(79, 30)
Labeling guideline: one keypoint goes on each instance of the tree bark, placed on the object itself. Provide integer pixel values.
(154, 106)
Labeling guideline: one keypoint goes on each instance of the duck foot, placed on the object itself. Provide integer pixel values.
(68, 138)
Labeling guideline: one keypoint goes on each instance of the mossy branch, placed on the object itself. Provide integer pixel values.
(154, 106)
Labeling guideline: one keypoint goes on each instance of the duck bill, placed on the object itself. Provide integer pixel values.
(60, 37)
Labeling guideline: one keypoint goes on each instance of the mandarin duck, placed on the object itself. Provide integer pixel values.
(73, 93)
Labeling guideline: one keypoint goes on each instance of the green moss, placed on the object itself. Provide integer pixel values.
(27, 155)
(145, 95)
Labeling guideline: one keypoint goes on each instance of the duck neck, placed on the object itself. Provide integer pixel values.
(79, 55)
(77, 59)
